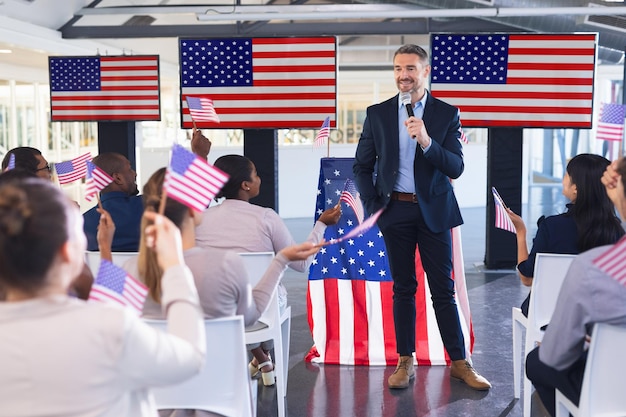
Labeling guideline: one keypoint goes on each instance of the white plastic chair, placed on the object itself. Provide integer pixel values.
(550, 271)
(93, 259)
(602, 392)
(277, 326)
(232, 393)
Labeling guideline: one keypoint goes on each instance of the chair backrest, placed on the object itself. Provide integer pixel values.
(256, 264)
(223, 385)
(550, 271)
(602, 391)
(119, 258)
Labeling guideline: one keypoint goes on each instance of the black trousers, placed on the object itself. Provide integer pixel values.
(403, 227)
(547, 379)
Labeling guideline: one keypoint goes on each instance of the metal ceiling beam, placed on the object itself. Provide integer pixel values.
(421, 26)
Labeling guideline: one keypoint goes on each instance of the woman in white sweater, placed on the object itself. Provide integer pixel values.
(61, 356)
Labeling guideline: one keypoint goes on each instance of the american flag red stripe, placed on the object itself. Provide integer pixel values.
(105, 88)
(613, 261)
(292, 81)
(502, 219)
(543, 80)
(190, 180)
(96, 180)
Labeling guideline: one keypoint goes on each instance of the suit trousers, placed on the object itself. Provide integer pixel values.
(403, 227)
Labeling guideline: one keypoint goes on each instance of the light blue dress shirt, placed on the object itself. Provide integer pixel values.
(405, 183)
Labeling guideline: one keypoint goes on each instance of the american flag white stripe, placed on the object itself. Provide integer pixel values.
(549, 80)
(613, 261)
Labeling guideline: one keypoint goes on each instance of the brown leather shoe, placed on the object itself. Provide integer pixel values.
(464, 371)
(405, 371)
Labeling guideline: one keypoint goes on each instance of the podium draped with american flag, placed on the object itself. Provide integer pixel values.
(350, 291)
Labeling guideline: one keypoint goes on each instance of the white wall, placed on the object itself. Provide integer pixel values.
(299, 167)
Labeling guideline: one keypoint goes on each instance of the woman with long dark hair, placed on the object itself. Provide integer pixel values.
(589, 221)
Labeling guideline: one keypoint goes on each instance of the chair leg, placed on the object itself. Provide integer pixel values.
(286, 334)
(280, 379)
(517, 356)
(528, 391)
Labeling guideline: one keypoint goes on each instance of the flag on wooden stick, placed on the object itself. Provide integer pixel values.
(96, 180)
(190, 179)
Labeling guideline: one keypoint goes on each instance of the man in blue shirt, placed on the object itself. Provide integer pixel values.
(407, 154)
(121, 200)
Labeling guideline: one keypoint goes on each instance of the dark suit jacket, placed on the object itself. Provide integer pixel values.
(377, 161)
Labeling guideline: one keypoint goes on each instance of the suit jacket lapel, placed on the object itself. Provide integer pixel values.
(428, 110)
(393, 133)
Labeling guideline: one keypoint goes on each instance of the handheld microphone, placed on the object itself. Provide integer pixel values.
(405, 99)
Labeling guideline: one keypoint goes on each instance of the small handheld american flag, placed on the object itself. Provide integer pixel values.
(350, 196)
(191, 181)
(503, 221)
(323, 134)
(613, 261)
(75, 169)
(11, 164)
(97, 179)
(114, 285)
(201, 109)
(360, 229)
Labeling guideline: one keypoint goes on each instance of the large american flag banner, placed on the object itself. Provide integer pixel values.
(116, 286)
(516, 80)
(611, 123)
(350, 292)
(261, 83)
(102, 88)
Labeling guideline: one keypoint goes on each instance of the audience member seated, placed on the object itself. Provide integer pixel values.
(589, 221)
(237, 225)
(30, 160)
(120, 199)
(66, 357)
(220, 275)
(588, 296)
(81, 285)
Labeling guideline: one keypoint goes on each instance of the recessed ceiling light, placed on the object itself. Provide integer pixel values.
(6, 51)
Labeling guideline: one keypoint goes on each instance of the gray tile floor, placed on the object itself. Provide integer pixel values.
(331, 390)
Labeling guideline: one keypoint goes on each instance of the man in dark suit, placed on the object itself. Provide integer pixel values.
(405, 164)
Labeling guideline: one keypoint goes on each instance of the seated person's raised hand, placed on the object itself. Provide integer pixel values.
(518, 222)
(300, 251)
(200, 144)
(330, 216)
(104, 236)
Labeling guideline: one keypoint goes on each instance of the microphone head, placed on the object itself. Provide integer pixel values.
(405, 98)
